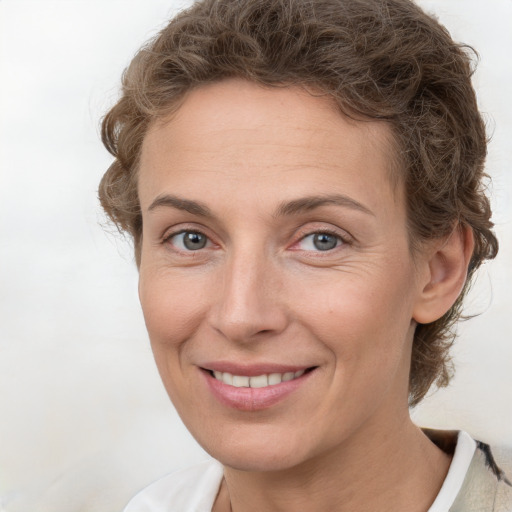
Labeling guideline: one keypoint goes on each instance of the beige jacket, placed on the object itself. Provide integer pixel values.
(488, 483)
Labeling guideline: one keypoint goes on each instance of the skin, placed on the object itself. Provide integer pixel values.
(261, 291)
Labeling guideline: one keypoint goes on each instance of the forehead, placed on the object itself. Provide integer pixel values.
(247, 133)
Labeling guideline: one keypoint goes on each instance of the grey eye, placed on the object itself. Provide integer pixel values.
(189, 240)
(324, 241)
(194, 241)
(320, 242)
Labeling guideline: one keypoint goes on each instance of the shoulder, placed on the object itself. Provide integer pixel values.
(502, 457)
(191, 489)
(488, 482)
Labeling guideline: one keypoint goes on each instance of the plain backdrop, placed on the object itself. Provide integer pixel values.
(84, 419)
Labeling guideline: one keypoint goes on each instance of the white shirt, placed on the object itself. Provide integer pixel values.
(194, 489)
(459, 466)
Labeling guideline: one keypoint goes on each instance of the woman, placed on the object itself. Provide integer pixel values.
(303, 184)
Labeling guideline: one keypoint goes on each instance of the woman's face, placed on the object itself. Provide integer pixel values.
(276, 279)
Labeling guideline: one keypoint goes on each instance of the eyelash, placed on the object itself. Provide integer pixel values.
(343, 240)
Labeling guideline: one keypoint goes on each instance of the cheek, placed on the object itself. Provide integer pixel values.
(172, 310)
(172, 306)
(364, 320)
(369, 341)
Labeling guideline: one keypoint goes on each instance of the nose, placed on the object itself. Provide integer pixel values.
(249, 303)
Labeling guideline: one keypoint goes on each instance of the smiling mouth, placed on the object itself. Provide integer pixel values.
(262, 389)
(257, 381)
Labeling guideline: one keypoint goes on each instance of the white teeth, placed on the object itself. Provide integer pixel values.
(226, 377)
(240, 381)
(274, 378)
(259, 381)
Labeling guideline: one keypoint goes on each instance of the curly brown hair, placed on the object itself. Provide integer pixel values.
(378, 59)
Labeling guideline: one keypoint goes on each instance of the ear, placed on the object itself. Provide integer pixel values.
(446, 264)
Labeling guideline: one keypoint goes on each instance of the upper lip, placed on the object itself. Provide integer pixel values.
(252, 370)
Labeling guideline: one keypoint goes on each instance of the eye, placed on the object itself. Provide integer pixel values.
(189, 240)
(319, 242)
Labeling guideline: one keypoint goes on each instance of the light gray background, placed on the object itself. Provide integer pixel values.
(84, 420)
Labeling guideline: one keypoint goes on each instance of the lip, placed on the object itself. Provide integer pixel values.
(253, 399)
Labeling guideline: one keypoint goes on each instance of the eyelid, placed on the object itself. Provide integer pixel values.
(183, 227)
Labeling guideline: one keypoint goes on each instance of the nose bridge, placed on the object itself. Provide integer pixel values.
(248, 301)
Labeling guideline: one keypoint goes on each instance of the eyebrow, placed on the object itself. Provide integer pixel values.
(288, 208)
(305, 204)
(193, 207)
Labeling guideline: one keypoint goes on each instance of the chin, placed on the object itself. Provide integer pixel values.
(261, 452)
(257, 460)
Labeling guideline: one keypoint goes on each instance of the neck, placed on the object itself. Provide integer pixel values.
(395, 469)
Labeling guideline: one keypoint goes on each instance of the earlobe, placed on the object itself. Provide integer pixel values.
(447, 268)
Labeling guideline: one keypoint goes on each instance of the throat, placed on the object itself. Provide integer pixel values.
(407, 481)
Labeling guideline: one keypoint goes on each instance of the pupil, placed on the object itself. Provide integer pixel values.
(324, 241)
(194, 241)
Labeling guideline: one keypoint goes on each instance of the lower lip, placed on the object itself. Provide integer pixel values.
(253, 399)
